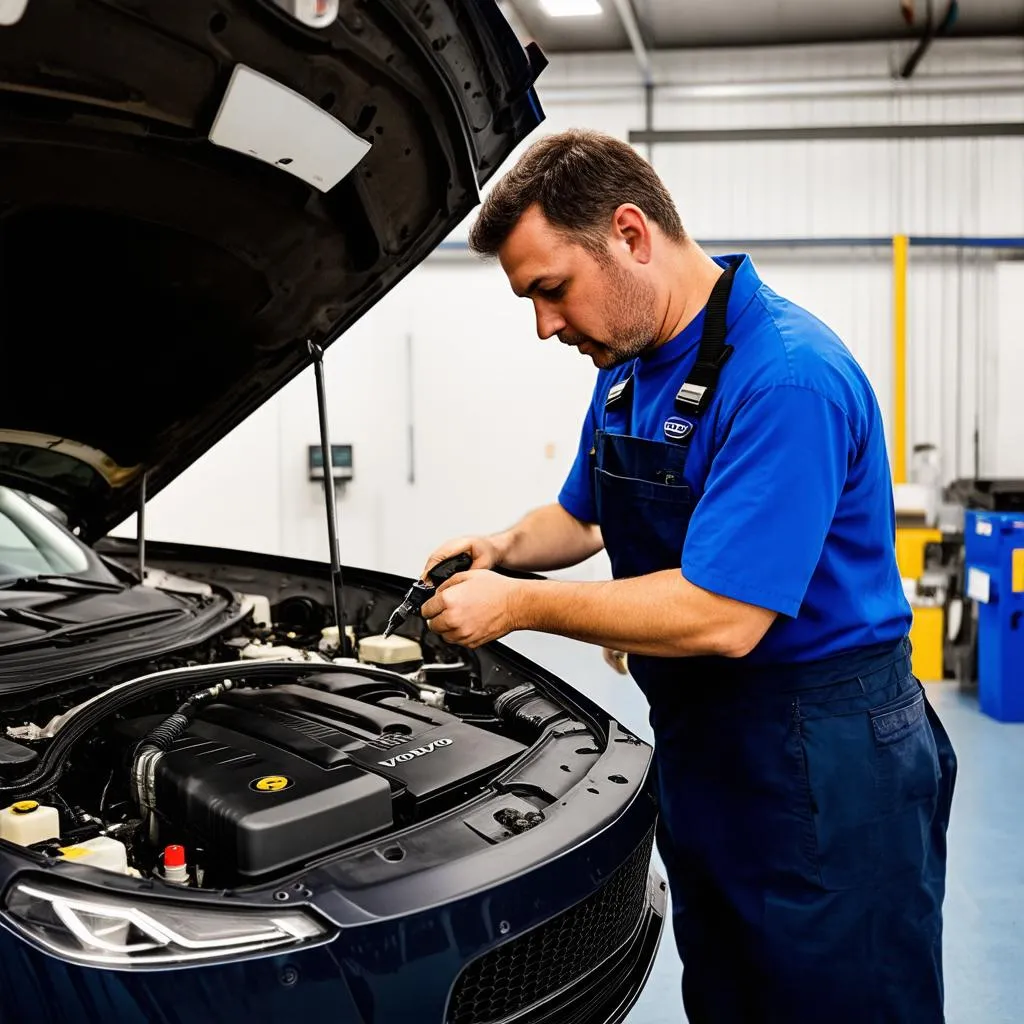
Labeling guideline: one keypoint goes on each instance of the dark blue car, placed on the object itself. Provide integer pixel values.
(224, 794)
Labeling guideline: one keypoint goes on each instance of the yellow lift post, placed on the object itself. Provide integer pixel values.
(926, 633)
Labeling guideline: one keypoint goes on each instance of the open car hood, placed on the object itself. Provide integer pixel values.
(157, 285)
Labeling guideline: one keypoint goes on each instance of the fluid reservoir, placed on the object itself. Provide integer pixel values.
(394, 652)
(278, 652)
(27, 822)
(102, 852)
(330, 638)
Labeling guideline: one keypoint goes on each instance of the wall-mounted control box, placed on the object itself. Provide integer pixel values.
(341, 462)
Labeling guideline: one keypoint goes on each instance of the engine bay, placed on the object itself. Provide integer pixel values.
(263, 779)
(264, 751)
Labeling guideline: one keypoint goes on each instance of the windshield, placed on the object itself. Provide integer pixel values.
(31, 543)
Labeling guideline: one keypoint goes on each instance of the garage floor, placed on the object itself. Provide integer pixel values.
(984, 946)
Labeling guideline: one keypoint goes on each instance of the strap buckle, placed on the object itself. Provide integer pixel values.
(695, 395)
(692, 396)
(620, 392)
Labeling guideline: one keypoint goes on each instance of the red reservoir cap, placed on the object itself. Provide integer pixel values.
(174, 857)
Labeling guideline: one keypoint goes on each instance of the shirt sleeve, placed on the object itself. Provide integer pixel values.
(577, 494)
(758, 530)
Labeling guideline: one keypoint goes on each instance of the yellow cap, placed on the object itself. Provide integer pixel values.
(24, 807)
(271, 783)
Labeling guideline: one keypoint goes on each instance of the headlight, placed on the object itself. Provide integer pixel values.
(112, 930)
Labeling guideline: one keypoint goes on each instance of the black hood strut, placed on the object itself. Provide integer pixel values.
(337, 585)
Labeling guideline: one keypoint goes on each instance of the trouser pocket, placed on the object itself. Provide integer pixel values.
(873, 786)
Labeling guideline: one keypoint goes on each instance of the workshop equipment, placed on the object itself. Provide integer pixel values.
(1002, 494)
(927, 595)
(945, 561)
(911, 542)
(994, 543)
(917, 504)
(423, 590)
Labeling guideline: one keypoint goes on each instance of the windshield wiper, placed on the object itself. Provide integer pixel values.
(88, 630)
(65, 584)
(30, 617)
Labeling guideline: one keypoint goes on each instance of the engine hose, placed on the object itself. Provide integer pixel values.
(172, 728)
(157, 742)
(523, 705)
(164, 735)
(53, 762)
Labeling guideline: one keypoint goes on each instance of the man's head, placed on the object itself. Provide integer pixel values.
(578, 225)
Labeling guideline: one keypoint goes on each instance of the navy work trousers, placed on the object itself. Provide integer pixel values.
(803, 827)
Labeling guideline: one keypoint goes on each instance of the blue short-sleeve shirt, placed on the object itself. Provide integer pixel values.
(790, 472)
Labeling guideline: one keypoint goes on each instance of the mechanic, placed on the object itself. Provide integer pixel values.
(733, 466)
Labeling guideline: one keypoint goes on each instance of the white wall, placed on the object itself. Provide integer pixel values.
(496, 413)
(1004, 397)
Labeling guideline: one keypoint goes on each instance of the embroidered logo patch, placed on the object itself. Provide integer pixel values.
(678, 429)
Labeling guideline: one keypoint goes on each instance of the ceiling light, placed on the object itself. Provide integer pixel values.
(570, 8)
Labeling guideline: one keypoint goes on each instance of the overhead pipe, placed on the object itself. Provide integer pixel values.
(636, 40)
(929, 36)
(926, 37)
(649, 117)
(992, 242)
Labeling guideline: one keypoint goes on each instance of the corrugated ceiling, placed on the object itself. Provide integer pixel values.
(670, 24)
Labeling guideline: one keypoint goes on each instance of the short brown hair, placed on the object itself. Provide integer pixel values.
(579, 179)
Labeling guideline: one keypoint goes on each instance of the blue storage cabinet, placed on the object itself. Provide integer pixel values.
(994, 554)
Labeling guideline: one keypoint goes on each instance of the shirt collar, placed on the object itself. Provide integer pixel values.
(745, 284)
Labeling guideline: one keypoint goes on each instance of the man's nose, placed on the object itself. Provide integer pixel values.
(549, 323)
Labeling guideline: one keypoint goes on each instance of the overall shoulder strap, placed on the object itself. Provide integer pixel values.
(699, 387)
(618, 404)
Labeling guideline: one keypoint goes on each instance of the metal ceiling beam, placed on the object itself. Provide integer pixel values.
(628, 18)
(797, 89)
(847, 88)
(822, 132)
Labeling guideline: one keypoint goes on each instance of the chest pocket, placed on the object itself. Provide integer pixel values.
(637, 458)
(643, 502)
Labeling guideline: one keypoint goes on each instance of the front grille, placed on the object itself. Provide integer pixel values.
(528, 969)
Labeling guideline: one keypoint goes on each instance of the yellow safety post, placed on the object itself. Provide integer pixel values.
(928, 626)
(900, 246)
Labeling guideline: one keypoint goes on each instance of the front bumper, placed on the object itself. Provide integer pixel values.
(608, 993)
(587, 965)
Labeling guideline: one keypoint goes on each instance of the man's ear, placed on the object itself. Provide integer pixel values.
(631, 233)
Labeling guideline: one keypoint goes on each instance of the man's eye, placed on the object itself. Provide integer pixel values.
(553, 293)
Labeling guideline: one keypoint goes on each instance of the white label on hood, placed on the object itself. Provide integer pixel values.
(266, 120)
(11, 11)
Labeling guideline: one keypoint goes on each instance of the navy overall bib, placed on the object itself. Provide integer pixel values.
(803, 806)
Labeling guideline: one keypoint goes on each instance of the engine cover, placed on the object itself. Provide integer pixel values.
(267, 779)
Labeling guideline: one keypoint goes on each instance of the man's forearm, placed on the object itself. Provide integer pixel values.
(662, 615)
(545, 539)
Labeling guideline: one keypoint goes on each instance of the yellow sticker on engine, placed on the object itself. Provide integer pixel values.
(1017, 570)
(71, 852)
(271, 783)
